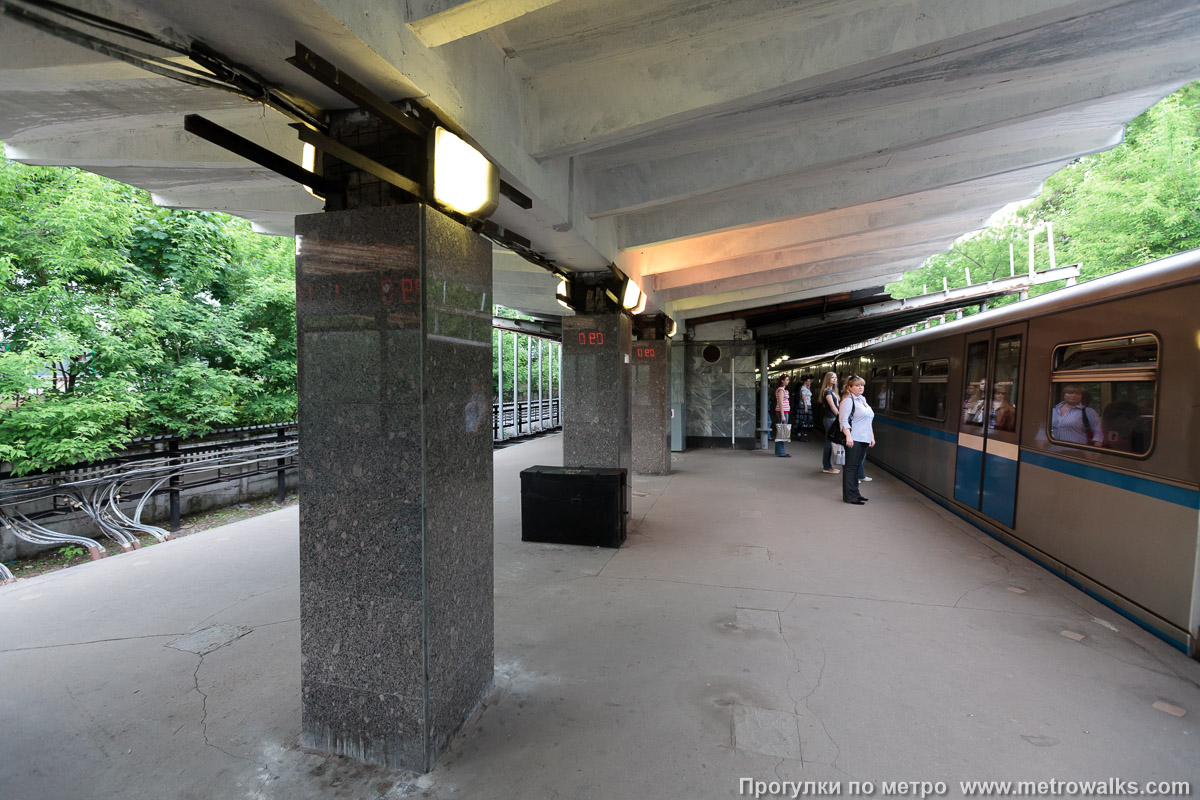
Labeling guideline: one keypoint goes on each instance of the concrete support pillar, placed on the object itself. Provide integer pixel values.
(596, 392)
(651, 406)
(396, 619)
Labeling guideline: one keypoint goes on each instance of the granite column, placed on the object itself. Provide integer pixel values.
(394, 329)
(597, 393)
(651, 406)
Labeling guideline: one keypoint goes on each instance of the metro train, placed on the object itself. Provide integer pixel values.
(1067, 427)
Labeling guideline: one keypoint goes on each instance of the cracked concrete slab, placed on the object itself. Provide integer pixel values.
(771, 733)
(206, 640)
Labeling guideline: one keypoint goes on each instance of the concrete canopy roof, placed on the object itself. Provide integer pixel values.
(728, 155)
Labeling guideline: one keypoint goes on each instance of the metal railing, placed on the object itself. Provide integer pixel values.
(511, 420)
(113, 494)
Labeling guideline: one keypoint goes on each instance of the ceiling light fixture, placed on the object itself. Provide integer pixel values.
(463, 179)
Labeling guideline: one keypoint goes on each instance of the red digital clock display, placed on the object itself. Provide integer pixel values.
(591, 337)
(645, 352)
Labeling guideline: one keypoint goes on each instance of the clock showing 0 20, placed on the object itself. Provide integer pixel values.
(591, 337)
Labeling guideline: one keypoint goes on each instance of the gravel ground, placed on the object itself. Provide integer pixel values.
(71, 555)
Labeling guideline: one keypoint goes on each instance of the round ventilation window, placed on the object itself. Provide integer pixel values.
(712, 354)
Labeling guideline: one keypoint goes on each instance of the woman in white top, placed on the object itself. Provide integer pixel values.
(856, 417)
(1074, 421)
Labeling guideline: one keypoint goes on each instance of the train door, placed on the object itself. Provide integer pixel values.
(985, 476)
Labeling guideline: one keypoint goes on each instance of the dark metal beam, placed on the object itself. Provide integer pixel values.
(227, 139)
(357, 159)
(328, 74)
(512, 193)
(544, 330)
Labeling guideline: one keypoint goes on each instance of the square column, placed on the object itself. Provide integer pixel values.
(597, 393)
(651, 406)
(395, 345)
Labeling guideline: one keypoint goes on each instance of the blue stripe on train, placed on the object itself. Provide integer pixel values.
(1189, 498)
(945, 436)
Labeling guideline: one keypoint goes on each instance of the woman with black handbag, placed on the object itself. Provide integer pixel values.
(856, 417)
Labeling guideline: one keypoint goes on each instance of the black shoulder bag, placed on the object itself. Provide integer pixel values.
(835, 433)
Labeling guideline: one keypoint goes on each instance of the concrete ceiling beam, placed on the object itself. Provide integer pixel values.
(866, 179)
(768, 266)
(759, 56)
(836, 267)
(443, 21)
(245, 198)
(965, 199)
(734, 302)
(763, 149)
(156, 140)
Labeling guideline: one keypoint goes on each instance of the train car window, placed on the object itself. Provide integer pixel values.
(931, 389)
(902, 375)
(1103, 394)
(975, 403)
(1002, 414)
(877, 392)
(935, 369)
(1127, 352)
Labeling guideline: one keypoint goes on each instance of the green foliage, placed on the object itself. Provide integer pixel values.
(119, 319)
(1135, 203)
(70, 552)
(524, 375)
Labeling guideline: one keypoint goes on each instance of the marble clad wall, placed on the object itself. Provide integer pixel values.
(395, 481)
(720, 395)
(651, 407)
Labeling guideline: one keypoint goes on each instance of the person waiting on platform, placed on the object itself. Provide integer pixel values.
(856, 417)
(1073, 421)
(829, 419)
(804, 413)
(782, 407)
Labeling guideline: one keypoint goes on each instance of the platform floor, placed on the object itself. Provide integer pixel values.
(753, 627)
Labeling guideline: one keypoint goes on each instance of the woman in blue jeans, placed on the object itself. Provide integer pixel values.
(856, 417)
(782, 408)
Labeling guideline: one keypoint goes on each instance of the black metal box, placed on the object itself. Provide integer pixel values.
(565, 505)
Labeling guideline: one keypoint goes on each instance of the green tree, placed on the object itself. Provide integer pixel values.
(120, 319)
(1135, 203)
(523, 375)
